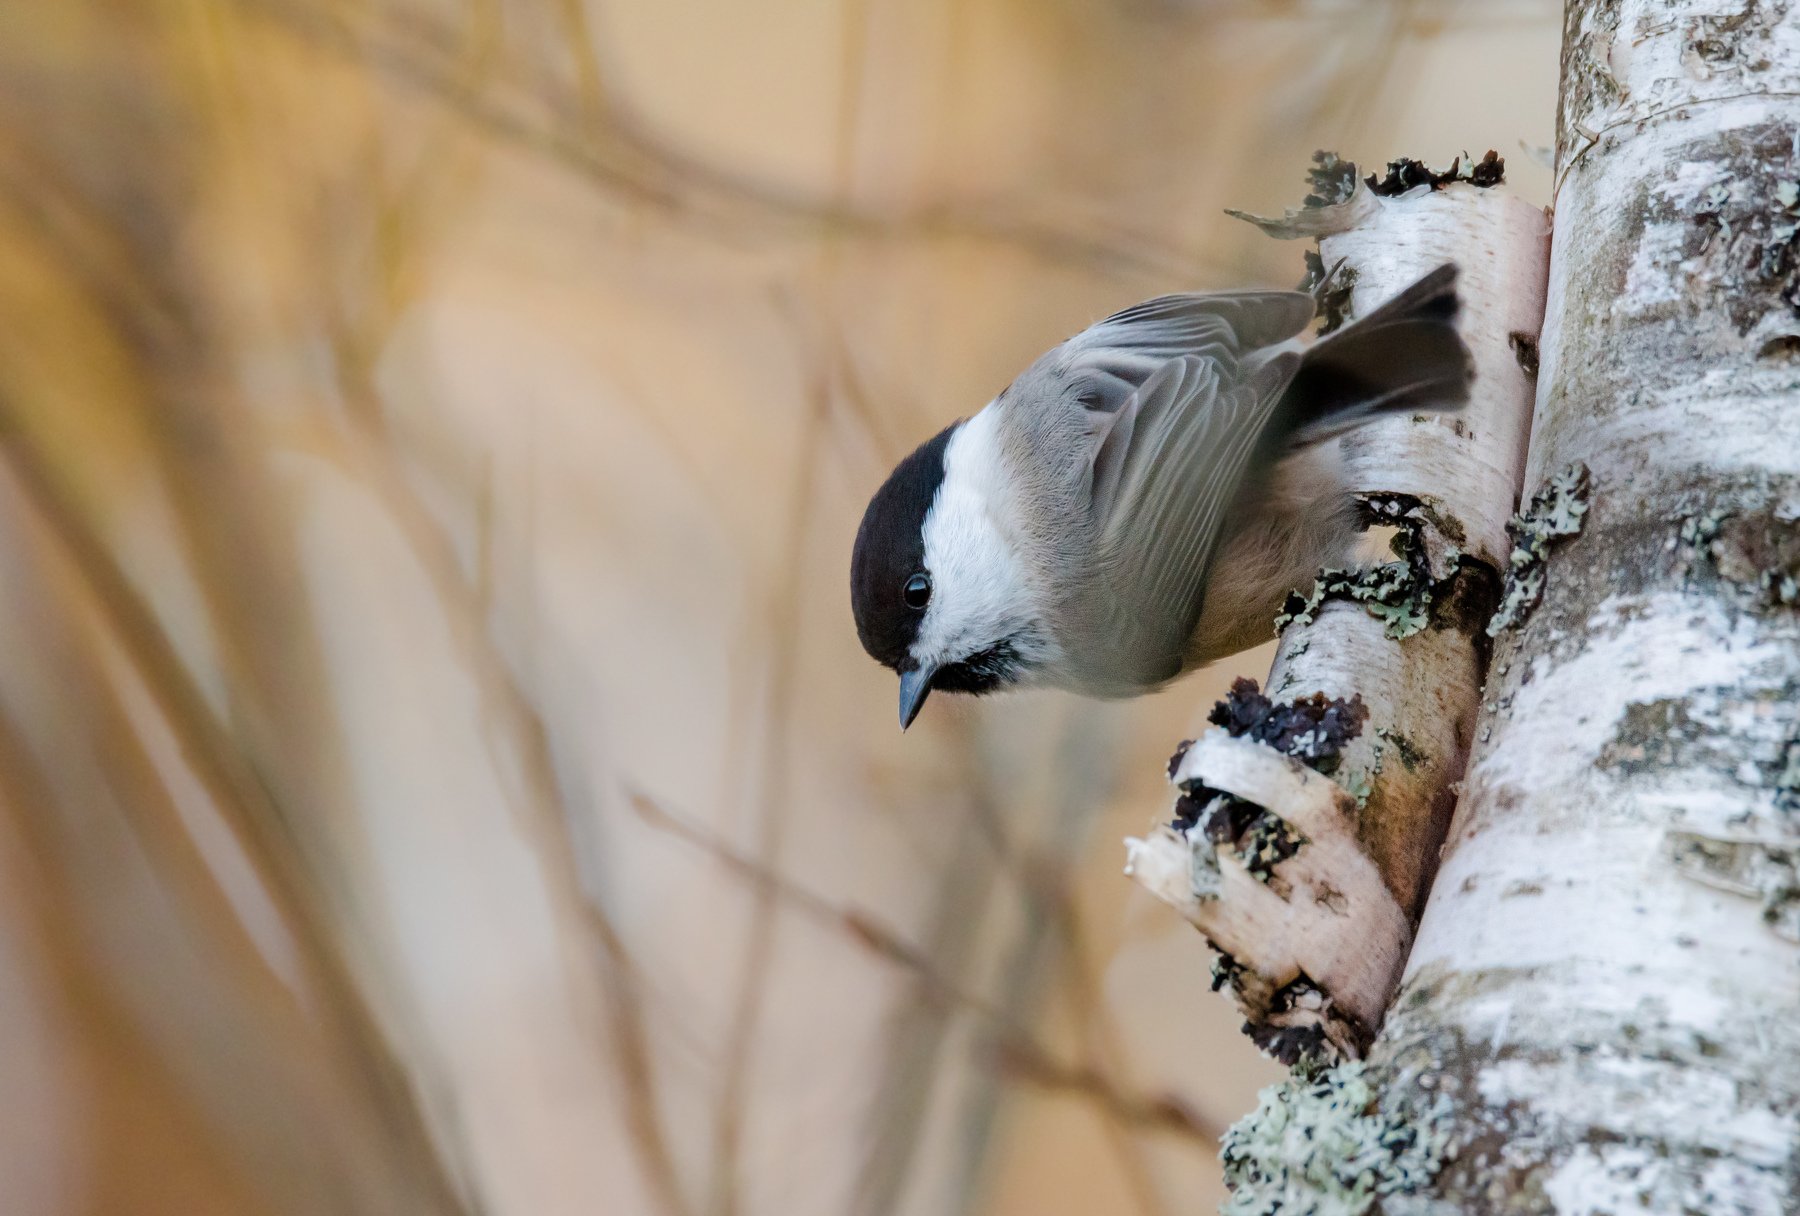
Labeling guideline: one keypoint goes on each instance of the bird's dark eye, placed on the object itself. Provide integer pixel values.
(917, 592)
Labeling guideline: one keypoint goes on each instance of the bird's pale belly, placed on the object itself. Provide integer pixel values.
(1275, 544)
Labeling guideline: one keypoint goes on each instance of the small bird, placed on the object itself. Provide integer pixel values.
(1143, 498)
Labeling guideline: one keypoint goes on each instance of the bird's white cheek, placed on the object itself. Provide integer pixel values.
(979, 594)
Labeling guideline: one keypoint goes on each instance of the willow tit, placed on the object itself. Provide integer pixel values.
(1140, 501)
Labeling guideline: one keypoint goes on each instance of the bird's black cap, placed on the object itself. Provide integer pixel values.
(890, 548)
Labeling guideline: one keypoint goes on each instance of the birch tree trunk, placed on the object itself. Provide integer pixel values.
(1601, 1010)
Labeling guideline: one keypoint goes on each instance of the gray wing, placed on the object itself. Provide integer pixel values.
(1179, 392)
(1115, 356)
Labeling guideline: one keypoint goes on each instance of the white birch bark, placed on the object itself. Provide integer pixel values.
(1601, 1012)
(1320, 943)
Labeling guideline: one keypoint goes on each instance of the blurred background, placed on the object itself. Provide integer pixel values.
(437, 769)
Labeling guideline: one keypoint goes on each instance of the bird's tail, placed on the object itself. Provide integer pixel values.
(1404, 356)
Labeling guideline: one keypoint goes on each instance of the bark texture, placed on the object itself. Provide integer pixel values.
(1311, 898)
(1601, 1011)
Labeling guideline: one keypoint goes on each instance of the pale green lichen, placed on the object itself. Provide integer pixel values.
(1361, 785)
(1204, 877)
(1750, 238)
(1427, 584)
(1328, 1143)
(1554, 513)
(1699, 531)
(1398, 593)
(1757, 554)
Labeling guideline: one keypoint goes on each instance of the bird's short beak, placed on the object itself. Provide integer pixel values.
(915, 686)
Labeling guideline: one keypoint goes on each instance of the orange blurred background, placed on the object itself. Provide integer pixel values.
(437, 769)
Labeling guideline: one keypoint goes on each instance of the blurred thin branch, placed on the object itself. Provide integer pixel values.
(619, 156)
(1054, 917)
(146, 304)
(770, 807)
(523, 748)
(1020, 1051)
(375, 1086)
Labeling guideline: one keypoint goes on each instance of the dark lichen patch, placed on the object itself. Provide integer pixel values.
(1226, 971)
(1407, 174)
(1303, 1028)
(1196, 805)
(1490, 170)
(1385, 510)
(1314, 730)
(1289, 1044)
(1334, 1142)
(1447, 526)
(1297, 1024)
(1181, 751)
(1525, 350)
(1554, 514)
(1330, 181)
(1225, 818)
(1262, 841)
(1330, 289)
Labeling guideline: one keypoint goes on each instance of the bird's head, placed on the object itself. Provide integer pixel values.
(942, 593)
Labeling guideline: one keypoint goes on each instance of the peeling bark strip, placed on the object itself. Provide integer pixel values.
(1316, 946)
(1605, 986)
(1404, 640)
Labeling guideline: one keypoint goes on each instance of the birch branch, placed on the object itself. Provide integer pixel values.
(1314, 941)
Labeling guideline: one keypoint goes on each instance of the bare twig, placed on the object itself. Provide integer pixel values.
(1020, 1049)
(618, 156)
